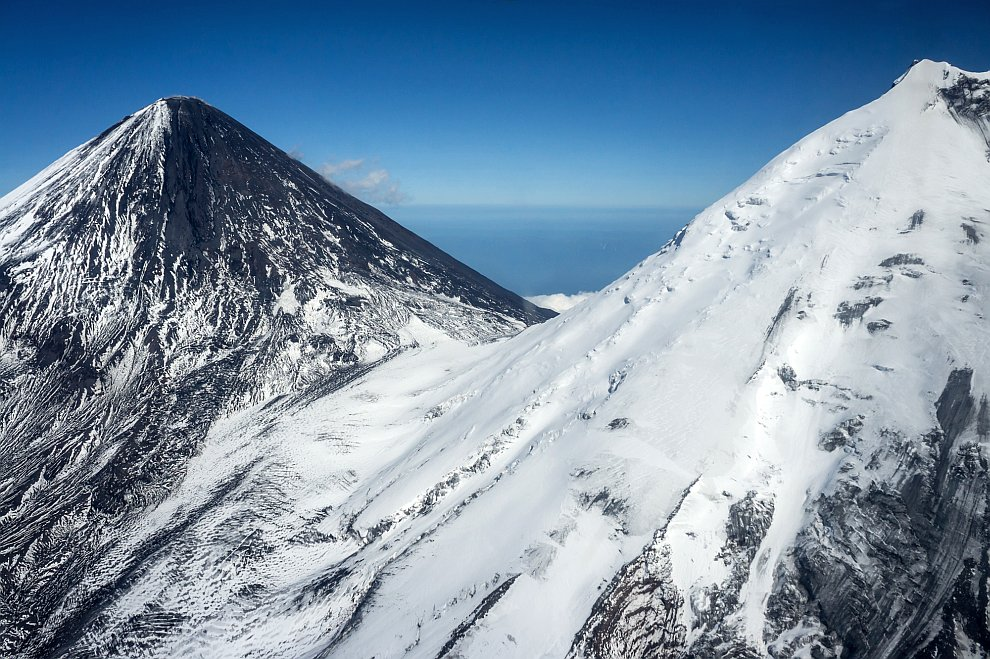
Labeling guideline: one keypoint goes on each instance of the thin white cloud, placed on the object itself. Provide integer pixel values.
(559, 301)
(370, 185)
(332, 169)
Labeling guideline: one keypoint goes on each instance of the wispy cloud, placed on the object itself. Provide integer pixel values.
(368, 183)
(559, 302)
(331, 169)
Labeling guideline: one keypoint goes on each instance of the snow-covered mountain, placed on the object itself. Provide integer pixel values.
(769, 439)
(156, 279)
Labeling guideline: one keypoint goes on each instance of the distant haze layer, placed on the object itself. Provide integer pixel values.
(546, 250)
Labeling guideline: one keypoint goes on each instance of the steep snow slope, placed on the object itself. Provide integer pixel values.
(767, 439)
(173, 270)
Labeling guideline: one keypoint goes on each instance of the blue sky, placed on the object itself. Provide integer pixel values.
(489, 102)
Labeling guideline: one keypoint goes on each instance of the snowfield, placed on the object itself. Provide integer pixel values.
(768, 439)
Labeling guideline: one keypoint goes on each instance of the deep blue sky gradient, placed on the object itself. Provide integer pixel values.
(480, 102)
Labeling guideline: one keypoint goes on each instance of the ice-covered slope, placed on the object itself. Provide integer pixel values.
(175, 269)
(767, 439)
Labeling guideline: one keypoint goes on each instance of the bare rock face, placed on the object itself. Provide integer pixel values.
(968, 98)
(637, 614)
(174, 269)
(893, 562)
(886, 567)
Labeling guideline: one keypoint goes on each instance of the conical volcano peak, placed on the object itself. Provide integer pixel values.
(186, 192)
(179, 98)
(188, 108)
(176, 124)
(172, 104)
(180, 118)
(180, 209)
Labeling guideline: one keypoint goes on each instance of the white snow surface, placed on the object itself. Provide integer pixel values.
(375, 521)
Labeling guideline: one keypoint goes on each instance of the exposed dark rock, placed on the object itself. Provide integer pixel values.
(972, 236)
(749, 519)
(968, 97)
(615, 381)
(789, 610)
(902, 259)
(983, 419)
(964, 613)
(871, 281)
(788, 377)
(616, 424)
(878, 325)
(674, 242)
(737, 224)
(637, 613)
(611, 506)
(847, 312)
(890, 564)
(842, 435)
(480, 612)
(954, 411)
(917, 218)
(785, 306)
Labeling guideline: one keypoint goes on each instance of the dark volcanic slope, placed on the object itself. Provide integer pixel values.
(174, 269)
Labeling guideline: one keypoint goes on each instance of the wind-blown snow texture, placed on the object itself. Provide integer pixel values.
(767, 439)
(153, 281)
